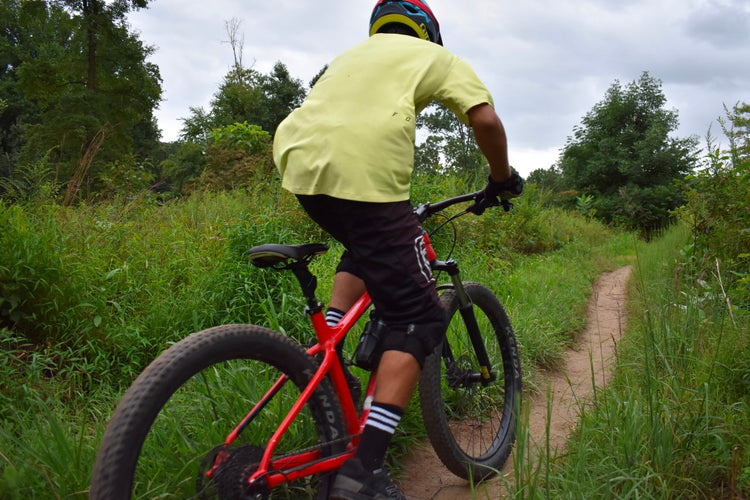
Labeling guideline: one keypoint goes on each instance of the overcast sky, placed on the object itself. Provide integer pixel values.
(546, 62)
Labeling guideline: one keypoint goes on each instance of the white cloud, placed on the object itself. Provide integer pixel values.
(526, 160)
(722, 24)
(547, 62)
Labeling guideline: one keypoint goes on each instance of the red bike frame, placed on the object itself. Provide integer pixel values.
(305, 463)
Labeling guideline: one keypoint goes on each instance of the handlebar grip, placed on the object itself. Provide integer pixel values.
(481, 203)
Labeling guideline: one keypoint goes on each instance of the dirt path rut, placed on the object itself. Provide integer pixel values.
(426, 478)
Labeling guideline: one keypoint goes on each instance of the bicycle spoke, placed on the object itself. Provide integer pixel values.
(470, 421)
(168, 437)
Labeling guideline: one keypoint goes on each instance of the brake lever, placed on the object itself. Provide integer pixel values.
(479, 206)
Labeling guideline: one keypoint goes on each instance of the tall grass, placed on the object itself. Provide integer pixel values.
(48, 450)
(543, 285)
(674, 422)
(91, 294)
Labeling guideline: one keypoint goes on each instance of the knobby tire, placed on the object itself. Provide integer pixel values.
(471, 426)
(161, 436)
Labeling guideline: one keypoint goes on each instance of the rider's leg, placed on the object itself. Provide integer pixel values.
(385, 247)
(404, 352)
(347, 288)
(397, 377)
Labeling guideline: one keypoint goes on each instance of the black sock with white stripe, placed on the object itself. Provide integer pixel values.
(333, 316)
(379, 428)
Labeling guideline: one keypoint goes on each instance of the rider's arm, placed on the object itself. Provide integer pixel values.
(490, 136)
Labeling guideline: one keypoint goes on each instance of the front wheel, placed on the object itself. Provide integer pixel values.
(168, 431)
(471, 423)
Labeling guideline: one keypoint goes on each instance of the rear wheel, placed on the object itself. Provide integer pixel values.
(171, 424)
(471, 424)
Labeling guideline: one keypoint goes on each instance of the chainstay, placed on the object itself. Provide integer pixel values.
(253, 466)
(319, 446)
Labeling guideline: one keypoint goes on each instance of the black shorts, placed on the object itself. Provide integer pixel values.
(384, 247)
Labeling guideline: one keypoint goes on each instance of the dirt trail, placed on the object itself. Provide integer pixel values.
(426, 478)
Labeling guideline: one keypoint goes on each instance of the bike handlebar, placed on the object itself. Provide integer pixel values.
(481, 203)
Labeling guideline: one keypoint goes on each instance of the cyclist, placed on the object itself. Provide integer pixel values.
(347, 154)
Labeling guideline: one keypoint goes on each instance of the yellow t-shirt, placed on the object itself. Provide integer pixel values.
(353, 137)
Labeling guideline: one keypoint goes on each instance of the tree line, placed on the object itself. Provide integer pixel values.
(78, 96)
(77, 90)
(624, 166)
(77, 101)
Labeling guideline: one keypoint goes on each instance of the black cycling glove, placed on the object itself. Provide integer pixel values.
(505, 190)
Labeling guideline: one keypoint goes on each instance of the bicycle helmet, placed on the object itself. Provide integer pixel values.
(415, 14)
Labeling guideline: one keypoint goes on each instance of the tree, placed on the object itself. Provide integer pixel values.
(245, 95)
(623, 156)
(550, 178)
(80, 79)
(196, 127)
(236, 40)
(237, 99)
(97, 20)
(187, 162)
(248, 104)
(29, 30)
(718, 206)
(317, 77)
(449, 146)
(736, 126)
(237, 155)
(280, 94)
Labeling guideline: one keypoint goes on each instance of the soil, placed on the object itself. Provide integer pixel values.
(586, 366)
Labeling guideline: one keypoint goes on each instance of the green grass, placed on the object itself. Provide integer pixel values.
(91, 294)
(673, 423)
(48, 448)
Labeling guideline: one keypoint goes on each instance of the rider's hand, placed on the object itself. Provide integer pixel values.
(505, 190)
(498, 193)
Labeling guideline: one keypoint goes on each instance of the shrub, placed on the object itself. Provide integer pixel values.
(718, 215)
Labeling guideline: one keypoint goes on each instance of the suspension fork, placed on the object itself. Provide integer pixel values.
(465, 307)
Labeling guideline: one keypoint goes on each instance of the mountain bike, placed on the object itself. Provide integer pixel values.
(243, 411)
